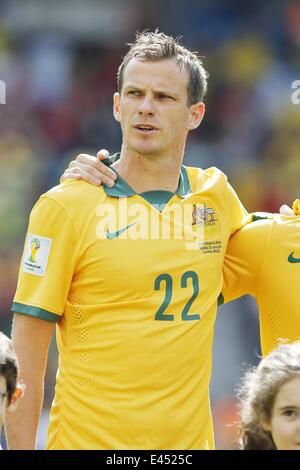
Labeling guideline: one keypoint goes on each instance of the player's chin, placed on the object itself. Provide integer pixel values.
(144, 148)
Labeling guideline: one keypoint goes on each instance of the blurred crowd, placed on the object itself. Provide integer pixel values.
(59, 103)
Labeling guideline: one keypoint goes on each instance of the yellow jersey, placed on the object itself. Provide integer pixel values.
(263, 259)
(132, 281)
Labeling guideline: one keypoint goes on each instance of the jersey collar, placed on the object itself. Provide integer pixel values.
(122, 189)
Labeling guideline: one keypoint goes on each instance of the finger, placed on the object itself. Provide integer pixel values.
(85, 158)
(296, 207)
(80, 174)
(69, 175)
(100, 172)
(95, 176)
(102, 154)
(70, 171)
(90, 178)
(286, 210)
(72, 164)
(92, 164)
(105, 171)
(90, 160)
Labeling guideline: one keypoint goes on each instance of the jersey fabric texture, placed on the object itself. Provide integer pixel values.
(133, 287)
(263, 259)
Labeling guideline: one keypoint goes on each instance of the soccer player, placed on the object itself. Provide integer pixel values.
(262, 259)
(10, 390)
(135, 361)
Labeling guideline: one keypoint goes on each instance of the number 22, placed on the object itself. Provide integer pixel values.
(167, 278)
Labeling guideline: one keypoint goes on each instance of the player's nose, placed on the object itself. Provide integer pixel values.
(146, 105)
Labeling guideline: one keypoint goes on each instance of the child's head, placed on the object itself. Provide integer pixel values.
(270, 402)
(10, 390)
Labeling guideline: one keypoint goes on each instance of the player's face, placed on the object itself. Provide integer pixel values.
(3, 400)
(285, 420)
(152, 108)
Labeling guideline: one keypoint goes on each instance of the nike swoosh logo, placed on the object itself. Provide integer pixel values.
(112, 235)
(291, 258)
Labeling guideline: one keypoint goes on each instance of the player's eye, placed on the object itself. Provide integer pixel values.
(134, 93)
(162, 96)
(290, 413)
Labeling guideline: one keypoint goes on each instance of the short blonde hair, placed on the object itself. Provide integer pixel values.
(157, 46)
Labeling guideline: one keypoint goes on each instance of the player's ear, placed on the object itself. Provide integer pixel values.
(116, 108)
(17, 395)
(196, 113)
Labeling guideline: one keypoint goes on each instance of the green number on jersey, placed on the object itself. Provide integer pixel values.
(160, 315)
(169, 283)
(190, 275)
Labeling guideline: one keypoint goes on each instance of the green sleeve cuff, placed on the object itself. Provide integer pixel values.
(35, 312)
(256, 217)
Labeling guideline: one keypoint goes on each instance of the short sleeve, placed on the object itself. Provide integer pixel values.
(48, 262)
(244, 259)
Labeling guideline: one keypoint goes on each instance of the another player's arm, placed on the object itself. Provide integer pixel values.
(93, 170)
(96, 171)
(38, 304)
(29, 335)
(291, 211)
(244, 260)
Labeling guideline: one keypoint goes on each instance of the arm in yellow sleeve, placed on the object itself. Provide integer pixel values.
(244, 260)
(48, 262)
(45, 276)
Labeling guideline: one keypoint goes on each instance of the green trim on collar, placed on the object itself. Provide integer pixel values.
(35, 312)
(184, 186)
(122, 189)
(158, 199)
(111, 159)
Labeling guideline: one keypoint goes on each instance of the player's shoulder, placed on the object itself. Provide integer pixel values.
(263, 224)
(278, 221)
(208, 177)
(73, 197)
(258, 222)
(285, 223)
(211, 172)
(254, 235)
(74, 193)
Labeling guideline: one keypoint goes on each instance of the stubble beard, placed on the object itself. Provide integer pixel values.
(150, 152)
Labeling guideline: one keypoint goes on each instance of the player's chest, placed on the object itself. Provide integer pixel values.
(136, 243)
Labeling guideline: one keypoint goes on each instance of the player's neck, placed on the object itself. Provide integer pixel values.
(147, 173)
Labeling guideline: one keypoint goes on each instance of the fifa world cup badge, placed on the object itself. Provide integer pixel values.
(36, 254)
